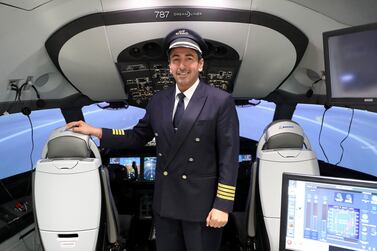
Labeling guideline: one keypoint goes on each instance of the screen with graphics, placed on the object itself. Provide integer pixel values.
(321, 213)
(149, 168)
(132, 164)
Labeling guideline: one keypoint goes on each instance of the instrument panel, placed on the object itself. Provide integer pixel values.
(144, 69)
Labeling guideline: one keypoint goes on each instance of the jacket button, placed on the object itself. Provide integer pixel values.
(184, 176)
(165, 173)
(191, 160)
(197, 139)
(156, 134)
(159, 154)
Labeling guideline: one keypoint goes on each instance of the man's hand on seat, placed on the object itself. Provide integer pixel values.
(217, 218)
(84, 128)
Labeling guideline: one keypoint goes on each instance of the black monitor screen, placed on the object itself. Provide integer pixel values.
(132, 164)
(322, 213)
(149, 168)
(351, 63)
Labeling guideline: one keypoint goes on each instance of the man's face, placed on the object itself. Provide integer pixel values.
(185, 66)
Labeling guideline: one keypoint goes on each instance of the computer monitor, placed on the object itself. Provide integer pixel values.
(350, 62)
(150, 168)
(323, 213)
(132, 164)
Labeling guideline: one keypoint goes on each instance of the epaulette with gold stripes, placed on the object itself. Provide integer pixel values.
(118, 132)
(226, 192)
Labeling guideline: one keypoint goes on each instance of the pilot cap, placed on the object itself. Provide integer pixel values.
(186, 43)
(185, 38)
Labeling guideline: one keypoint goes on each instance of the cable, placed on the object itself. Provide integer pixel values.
(32, 140)
(15, 88)
(320, 133)
(26, 111)
(20, 89)
(36, 91)
(348, 133)
(18, 92)
(309, 93)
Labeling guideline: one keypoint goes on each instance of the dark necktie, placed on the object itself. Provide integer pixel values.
(179, 111)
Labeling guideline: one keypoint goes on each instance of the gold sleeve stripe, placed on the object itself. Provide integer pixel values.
(118, 132)
(227, 187)
(226, 194)
(226, 190)
(224, 197)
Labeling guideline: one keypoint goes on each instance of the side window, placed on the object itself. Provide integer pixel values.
(16, 141)
(253, 119)
(112, 118)
(360, 152)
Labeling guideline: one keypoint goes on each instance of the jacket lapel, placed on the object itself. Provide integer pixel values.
(192, 112)
(167, 111)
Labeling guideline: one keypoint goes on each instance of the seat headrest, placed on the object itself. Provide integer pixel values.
(284, 134)
(64, 143)
(67, 146)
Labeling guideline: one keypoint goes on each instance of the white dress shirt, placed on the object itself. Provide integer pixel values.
(188, 94)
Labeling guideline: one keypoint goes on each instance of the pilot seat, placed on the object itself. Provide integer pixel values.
(70, 187)
(283, 147)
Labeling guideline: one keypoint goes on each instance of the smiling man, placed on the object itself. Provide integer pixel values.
(197, 142)
(185, 62)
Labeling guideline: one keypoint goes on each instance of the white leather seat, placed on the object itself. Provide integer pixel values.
(67, 193)
(283, 147)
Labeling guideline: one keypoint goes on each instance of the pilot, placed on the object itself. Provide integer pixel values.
(197, 141)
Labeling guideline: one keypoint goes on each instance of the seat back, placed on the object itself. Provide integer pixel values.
(283, 147)
(67, 193)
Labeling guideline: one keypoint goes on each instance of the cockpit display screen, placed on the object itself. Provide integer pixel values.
(327, 214)
(150, 168)
(131, 164)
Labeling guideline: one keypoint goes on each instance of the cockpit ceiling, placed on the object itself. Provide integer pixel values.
(348, 12)
(123, 41)
(26, 5)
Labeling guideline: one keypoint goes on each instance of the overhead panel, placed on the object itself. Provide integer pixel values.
(144, 69)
